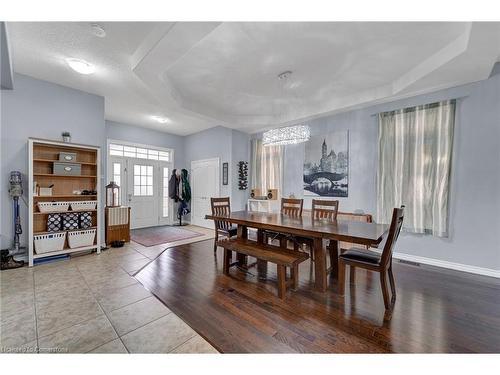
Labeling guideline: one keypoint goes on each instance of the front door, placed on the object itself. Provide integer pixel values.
(143, 194)
(205, 184)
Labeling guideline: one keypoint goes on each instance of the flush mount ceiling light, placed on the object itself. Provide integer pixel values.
(160, 119)
(289, 135)
(80, 66)
(98, 30)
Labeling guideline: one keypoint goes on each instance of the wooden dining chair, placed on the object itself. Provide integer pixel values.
(222, 207)
(323, 210)
(370, 260)
(289, 207)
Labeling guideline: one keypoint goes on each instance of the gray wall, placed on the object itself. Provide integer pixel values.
(129, 133)
(41, 109)
(475, 177)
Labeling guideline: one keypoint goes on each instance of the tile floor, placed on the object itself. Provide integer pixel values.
(91, 303)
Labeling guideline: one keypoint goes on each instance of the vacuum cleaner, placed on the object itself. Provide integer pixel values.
(7, 255)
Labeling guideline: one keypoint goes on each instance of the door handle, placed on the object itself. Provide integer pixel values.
(129, 197)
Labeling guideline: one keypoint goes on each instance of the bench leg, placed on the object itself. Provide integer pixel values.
(227, 261)
(295, 276)
(281, 281)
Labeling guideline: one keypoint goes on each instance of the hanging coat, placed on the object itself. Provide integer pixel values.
(186, 188)
(173, 187)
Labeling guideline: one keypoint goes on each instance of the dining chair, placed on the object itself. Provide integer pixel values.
(321, 210)
(221, 207)
(370, 260)
(289, 207)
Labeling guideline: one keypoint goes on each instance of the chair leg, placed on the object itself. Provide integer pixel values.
(215, 241)
(295, 276)
(227, 261)
(341, 277)
(281, 281)
(391, 281)
(311, 252)
(385, 291)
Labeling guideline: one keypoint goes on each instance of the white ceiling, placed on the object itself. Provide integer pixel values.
(205, 74)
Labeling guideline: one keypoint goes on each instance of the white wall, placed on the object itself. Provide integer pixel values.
(41, 109)
(475, 177)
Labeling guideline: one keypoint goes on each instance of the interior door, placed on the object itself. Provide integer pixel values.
(142, 192)
(205, 184)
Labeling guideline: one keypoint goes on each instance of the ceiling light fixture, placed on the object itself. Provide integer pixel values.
(98, 30)
(287, 135)
(161, 120)
(80, 66)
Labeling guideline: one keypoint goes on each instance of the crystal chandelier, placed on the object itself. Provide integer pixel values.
(287, 135)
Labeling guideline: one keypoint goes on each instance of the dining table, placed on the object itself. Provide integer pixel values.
(368, 234)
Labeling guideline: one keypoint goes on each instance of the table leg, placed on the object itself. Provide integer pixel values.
(242, 233)
(261, 264)
(333, 249)
(320, 278)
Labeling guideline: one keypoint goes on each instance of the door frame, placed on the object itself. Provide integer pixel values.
(170, 164)
(217, 188)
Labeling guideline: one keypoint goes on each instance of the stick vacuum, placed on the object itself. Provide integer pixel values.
(7, 256)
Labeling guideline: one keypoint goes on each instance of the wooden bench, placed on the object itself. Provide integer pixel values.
(281, 257)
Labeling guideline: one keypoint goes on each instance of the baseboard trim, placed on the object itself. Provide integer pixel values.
(450, 265)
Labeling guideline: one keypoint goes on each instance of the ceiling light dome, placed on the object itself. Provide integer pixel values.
(160, 119)
(286, 136)
(80, 66)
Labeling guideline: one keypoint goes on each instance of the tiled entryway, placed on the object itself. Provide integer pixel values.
(91, 303)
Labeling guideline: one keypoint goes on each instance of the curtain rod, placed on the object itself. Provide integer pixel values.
(419, 105)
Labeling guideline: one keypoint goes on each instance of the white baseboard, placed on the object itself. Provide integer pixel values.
(450, 265)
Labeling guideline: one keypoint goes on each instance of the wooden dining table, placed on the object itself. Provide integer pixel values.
(369, 234)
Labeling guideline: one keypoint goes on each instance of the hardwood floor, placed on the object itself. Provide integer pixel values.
(436, 311)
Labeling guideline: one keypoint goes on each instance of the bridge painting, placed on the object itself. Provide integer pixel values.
(326, 165)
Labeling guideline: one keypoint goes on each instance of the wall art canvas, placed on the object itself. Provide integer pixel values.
(326, 165)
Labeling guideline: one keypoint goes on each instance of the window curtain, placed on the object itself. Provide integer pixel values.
(414, 162)
(266, 171)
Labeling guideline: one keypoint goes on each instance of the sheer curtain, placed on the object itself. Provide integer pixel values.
(414, 161)
(266, 170)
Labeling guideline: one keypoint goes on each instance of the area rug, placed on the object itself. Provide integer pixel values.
(158, 235)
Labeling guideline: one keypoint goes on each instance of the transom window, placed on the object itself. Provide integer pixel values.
(116, 149)
(143, 180)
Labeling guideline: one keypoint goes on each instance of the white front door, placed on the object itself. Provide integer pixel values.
(205, 184)
(142, 193)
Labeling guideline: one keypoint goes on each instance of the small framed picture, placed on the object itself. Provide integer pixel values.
(225, 169)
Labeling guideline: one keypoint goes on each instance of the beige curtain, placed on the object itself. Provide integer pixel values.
(266, 170)
(414, 161)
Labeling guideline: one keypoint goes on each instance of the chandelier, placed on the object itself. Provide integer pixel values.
(287, 135)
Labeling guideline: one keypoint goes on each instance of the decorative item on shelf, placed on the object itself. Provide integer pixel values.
(67, 169)
(85, 220)
(45, 243)
(67, 156)
(81, 238)
(70, 221)
(45, 191)
(88, 192)
(112, 195)
(242, 175)
(254, 193)
(225, 168)
(272, 194)
(66, 136)
(54, 222)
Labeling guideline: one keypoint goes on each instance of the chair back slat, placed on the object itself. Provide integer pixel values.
(291, 207)
(323, 209)
(392, 236)
(221, 207)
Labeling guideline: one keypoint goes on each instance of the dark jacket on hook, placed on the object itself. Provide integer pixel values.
(186, 188)
(173, 186)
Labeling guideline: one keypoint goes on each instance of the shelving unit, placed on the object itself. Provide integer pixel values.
(41, 155)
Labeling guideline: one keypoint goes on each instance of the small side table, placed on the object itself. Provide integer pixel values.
(117, 223)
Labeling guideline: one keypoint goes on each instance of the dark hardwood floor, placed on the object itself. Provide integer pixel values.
(436, 310)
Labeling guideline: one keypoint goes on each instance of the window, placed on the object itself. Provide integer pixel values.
(414, 152)
(143, 180)
(165, 192)
(138, 152)
(267, 166)
(117, 177)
